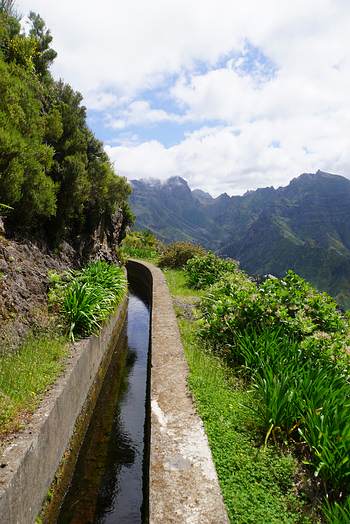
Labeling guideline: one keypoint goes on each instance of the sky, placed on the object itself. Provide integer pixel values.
(231, 95)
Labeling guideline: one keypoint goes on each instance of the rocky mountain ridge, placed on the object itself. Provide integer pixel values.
(304, 226)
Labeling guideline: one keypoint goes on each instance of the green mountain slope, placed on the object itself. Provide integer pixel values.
(304, 226)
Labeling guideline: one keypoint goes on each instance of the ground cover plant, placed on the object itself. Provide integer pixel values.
(291, 343)
(86, 298)
(83, 300)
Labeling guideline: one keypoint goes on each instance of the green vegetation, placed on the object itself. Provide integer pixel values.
(83, 300)
(25, 376)
(258, 484)
(53, 172)
(204, 270)
(86, 298)
(177, 282)
(177, 254)
(140, 244)
(283, 350)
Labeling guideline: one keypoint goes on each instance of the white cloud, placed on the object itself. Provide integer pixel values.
(139, 112)
(114, 51)
(219, 159)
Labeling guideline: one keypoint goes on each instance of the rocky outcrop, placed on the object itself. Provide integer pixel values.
(102, 244)
(23, 288)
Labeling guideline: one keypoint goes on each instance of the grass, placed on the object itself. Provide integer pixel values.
(26, 375)
(84, 299)
(257, 482)
(177, 283)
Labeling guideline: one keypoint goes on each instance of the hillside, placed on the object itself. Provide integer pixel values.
(304, 226)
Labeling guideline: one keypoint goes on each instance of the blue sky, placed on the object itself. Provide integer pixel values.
(230, 95)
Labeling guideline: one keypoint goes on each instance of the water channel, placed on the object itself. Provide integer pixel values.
(110, 479)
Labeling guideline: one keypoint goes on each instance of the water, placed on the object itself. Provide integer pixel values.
(108, 483)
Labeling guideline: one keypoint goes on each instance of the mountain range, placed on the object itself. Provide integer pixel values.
(304, 226)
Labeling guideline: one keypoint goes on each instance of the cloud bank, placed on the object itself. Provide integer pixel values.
(230, 95)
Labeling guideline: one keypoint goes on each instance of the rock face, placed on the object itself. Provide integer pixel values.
(304, 226)
(103, 243)
(23, 288)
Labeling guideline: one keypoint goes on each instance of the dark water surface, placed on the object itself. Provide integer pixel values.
(108, 482)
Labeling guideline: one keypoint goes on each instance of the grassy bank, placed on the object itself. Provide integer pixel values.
(258, 484)
(81, 301)
(26, 375)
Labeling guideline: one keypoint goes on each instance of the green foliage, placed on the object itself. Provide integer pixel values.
(257, 485)
(297, 377)
(177, 282)
(140, 244)
(53, 171)
(337, 513)
(86, 298)
(203, 271)
(292, 343)
(235, 303)
(177, 254)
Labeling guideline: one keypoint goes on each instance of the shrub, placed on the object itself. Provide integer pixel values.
(203, 271)
(235, 303)
(86, 298)
(177, 254)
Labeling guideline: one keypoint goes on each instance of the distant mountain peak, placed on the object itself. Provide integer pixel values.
(176, 181)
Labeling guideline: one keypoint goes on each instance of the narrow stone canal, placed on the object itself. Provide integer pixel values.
(109, 485)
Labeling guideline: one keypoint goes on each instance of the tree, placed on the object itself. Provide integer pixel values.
(53, 171)
(44, 55)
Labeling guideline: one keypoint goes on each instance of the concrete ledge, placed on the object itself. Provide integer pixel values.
(183, 485)
(29, 463)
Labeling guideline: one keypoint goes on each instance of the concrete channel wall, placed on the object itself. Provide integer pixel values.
(29, 464)
(183, 485)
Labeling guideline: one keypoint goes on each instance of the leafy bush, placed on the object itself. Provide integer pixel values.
(140, 244)
(177, 254)
(203, 271)
(236, 303)
(86, 298)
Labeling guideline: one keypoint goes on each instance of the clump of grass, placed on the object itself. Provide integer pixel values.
(26, 374)
(337, 513)
(294, 392)
(86, 298)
